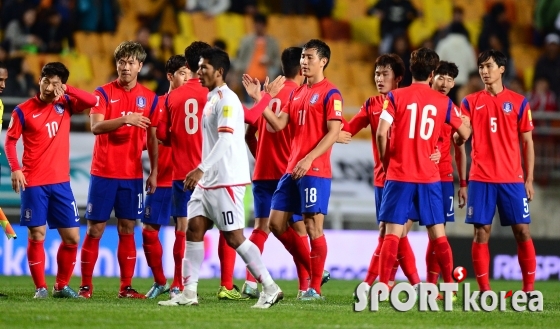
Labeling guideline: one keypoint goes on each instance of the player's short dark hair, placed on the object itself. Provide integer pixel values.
(447, 68)
(192, 54)
(260, 18)
(290, 61)
(394, 61)
(174, 63)
(55, 69)
(497, 55)
(323, 50)
(130, 49)
(423, 62)
(218, 58)
(3, 65)
(219, 43)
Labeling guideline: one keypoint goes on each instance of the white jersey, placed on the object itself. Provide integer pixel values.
(224, 113)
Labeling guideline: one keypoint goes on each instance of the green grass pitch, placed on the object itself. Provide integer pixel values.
(105, 310)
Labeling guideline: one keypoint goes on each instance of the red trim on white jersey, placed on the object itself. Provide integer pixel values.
(222, 186)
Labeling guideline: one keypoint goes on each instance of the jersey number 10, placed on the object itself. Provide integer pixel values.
(52, 128)
(426, 124)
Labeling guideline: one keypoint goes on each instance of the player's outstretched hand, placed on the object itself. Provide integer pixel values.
(301, 168)
(18, 181)
(252, 86)
(138, 120)
(435, 157)
(192, 179)
(151, 184)
(344, 137)
(528, 189)
(275, 86)
(463, 197)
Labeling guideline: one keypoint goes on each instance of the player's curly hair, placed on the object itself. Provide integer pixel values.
(192, 54)
(130, 49)
(323, 50)
(394, 61)
(218, 58)
(55, 69)
(447, 68)
(174, 63)
(423, 62)
(290, 61)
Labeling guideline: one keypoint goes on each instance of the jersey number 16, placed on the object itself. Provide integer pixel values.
(426, 124)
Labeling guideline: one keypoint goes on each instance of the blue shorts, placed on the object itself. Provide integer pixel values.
(448, 190)
(296, 218)
(180, 199)
(308, 194)
(399, 197)
(126, 196)
(413, 213)
(158, 207)
(510, 198)
(262, 196)
(53, 204)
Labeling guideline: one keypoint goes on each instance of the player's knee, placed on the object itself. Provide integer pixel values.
(521, 232)
(125, 226)
(276, 228)
(262, 224)
(234, 238)
(481, 233)
(181, 224)
(36, 234)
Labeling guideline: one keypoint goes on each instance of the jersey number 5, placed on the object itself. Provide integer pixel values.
(191, 120)
(426, 124)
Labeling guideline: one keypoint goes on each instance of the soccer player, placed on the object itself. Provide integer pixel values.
(272, 152)
(443, 82)
(44, 179)
(219, 184)
(499, 117)
(120, 119)
(157, 208)
(315, 111)
(412, 178)
(3, 78)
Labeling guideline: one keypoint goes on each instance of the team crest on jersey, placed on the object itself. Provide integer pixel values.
(507, 107)
(314, 98)
(141, 102)
(59, 108)
(27, 214)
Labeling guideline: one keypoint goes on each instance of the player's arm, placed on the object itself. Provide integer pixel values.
(461, 163)
(357, 123)
(101, 126)
(15, 130)
(382, 134)
(262, 100)
(529, 160)
(251, 140)
(81, 100)
(151, 182)
(163, 130)
(465, 114)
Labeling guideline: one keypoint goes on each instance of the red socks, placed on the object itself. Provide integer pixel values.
(445, 258)
(303, 275)
(406, 258)
(432, 265)
(258, 237)
(90, 251)
(318, 256)
(227, 262)
(394, 269)
(373, 269)
(481, 264)
(154, 253)
(528, 263)
(388, 256)
(178, 253)
(66, 260)
(36, 261)
(126, 254)
(295, 246)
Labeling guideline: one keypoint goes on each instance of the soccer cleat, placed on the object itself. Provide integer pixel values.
(173, 292)
(156, 290)
(188, 298)
(65, 292)
(233, 294)
(441, 298)
(248, 292)
(128, 292)
(300, 294)
(326, 277)
(41, 293)
(267, 300)
(85, 291)
(310, 295)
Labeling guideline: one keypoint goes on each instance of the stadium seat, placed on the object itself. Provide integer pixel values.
(204, 27)
(279, 27)
(127, 27)
(155, 41)
(103, 67)
(308, 27)
(366, 30)
(88, 43)
(109, 42)
(524, 13)
(438, 11)
(32, 63)
(524, 56)
(421, 30)
(528, 75)
(333, 29)
(185, 24)
(361, 74)
(231, 29)
(473, 9)
(80, 67)
(180, 42)
(510, 8)
(350, 9)
(474, 28)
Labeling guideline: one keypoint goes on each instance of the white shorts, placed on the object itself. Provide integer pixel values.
(223, 206)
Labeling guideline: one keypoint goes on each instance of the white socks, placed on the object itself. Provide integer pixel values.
(251, 255)
(191, 265)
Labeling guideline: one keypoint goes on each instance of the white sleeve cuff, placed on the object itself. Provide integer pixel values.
(386, 116)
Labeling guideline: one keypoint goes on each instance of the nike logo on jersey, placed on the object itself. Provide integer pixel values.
(296, 98)
(36, 115)
(114, 100)
(308, 206)
(376, 113)
(479, 107)
(525, 215)
(450, 214)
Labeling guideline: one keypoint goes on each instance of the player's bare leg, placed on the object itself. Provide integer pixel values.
(36, 259)
(154, 253)
(481, 256)
(66, 260)
(89, 253)
(258, 237)
(126, 255)
(526, 255)
(318, 255)
(178, 254)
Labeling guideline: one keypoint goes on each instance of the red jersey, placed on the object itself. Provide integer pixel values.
(417, 113)
(273, 148)
(165, 168)
(183, 112)
(118, 154)
(46, 131)
(445, 162)
(369, 115)
(497, 122)
(310, 108)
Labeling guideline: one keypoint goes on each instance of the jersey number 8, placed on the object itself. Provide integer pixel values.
(191, 120)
